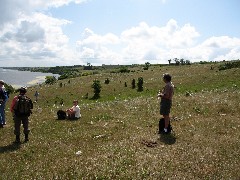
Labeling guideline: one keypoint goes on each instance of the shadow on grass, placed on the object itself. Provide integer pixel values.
(70, 120)
(10, 148)
(168, 138)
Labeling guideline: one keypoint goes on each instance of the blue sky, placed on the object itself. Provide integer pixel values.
(77, 32)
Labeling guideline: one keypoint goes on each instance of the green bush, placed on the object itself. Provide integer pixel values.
(140, 84)
(97, 89)
(50, 79)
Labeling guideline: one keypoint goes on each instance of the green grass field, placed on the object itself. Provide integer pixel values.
(116, 138)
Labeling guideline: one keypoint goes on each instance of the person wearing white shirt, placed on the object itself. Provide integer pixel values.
(74, 112)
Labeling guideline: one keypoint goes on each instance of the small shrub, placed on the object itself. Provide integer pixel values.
(97, 89)
(50, 79)
(124, 70)
(140, 84)
(133, 84)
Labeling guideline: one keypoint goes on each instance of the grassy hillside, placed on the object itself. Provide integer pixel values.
(116, 138)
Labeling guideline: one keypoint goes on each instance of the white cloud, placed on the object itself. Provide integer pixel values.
(157, 44)
(44, 4)
(222, 42)
(31, 37)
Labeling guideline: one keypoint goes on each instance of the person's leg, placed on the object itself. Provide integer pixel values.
(71, 114)
(68, 114)
(166, 119)
(4, 120)
(164, 111)
(1, 115)
(25, 128)
(17, 125)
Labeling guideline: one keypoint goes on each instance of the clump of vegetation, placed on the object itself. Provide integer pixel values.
(124, 69)
(140, 84)
(9, 88)
(229, 65)
(97, 89)
(147, 65)
(133, 84)
(50, 79)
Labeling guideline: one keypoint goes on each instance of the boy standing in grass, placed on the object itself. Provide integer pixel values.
(166, 100)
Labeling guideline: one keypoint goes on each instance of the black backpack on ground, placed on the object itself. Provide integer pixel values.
(162, 125)
(61, 115)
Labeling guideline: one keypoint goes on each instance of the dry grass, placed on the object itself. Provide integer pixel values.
(117, 135)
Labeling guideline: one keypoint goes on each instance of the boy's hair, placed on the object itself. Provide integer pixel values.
(167, 76)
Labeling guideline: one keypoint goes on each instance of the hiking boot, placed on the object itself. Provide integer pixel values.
(163, 132)
(26, 138)
(17, 139)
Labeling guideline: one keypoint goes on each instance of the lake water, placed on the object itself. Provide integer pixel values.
(23, 78)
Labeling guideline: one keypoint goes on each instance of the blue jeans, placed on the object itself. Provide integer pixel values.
(2, 113)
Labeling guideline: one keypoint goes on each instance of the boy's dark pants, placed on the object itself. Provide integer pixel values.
(17, 124)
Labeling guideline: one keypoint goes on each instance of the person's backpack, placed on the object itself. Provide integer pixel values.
(61, 115)
(162, 125)
(23, 106)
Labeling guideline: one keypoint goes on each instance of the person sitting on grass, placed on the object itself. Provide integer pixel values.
(74, 112)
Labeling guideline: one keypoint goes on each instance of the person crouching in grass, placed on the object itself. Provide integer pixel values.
(74, 112)
(166, 100)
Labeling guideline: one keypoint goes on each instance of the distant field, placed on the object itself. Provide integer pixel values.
(117, 135)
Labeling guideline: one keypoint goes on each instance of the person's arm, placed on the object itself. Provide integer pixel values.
(74, 109)
(13, 103)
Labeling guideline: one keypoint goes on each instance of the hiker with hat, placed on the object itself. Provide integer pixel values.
(21, 108)
(3, 100)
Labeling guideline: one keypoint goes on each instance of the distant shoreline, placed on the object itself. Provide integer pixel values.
(17, 78)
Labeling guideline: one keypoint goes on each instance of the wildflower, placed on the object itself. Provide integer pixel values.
(78, 152)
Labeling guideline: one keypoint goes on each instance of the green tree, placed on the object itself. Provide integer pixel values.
(9, 88)
(188, 62)
(169, 61)
(147, 65)
(50, 79)
(177, 61)
(97, 89)
(182, 61)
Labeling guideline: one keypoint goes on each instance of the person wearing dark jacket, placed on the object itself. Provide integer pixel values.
(21, 108)
(3, 100)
